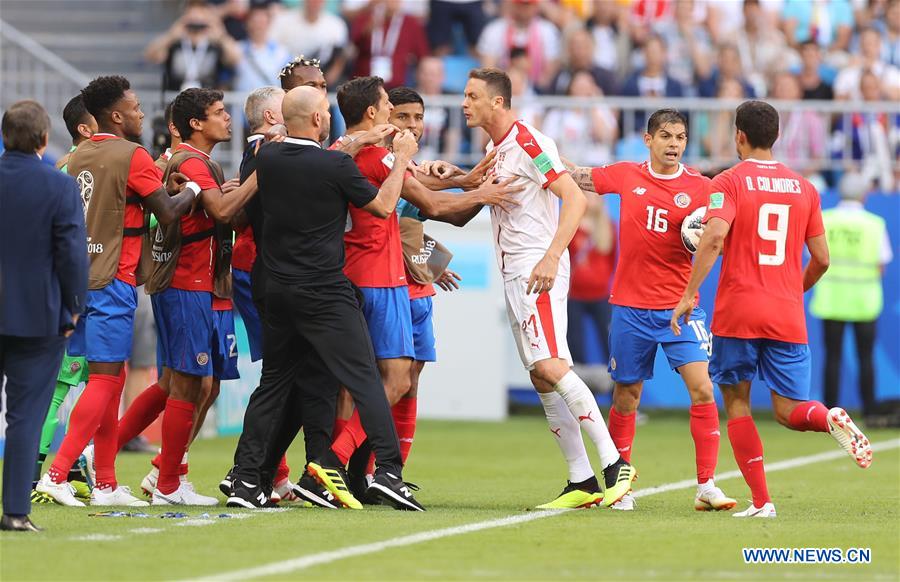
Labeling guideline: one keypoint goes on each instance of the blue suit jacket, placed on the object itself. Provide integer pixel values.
(43, 247)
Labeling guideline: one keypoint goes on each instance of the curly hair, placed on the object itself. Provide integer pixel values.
(192, 104)
(103, 92)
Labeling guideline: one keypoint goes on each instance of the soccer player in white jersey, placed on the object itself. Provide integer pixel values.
(531, 241)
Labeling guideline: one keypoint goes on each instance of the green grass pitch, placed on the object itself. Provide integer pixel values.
(476, 472)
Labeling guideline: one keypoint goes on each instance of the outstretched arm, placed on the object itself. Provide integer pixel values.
(711, 244)
(223, 207)
(581, 175)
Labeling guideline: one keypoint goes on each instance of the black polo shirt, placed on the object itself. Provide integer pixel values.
(305, 191)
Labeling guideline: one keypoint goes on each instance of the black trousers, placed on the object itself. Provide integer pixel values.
(274, 415)
(325, 324)
(30, 365)
(864, 333)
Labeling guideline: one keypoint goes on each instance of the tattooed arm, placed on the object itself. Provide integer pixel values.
(581, 175)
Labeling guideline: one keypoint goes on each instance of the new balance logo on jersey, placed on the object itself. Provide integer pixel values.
(588, 417)
(639, 191)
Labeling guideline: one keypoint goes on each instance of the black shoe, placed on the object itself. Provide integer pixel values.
(138, 445)
(225, 484)
(390, 488)
(248, 496)
(308, 489)
(21, 523)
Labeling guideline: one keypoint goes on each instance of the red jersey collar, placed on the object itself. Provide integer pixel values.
(102, 136)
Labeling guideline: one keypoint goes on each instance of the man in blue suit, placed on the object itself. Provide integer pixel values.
(43, 284)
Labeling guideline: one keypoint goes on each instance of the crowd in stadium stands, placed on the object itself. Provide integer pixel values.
(781, 49)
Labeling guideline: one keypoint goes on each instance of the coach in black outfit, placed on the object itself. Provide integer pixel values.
(310, 305)
(264, 439)
(43, 285)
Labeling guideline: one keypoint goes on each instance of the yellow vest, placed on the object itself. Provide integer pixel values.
(851, 288)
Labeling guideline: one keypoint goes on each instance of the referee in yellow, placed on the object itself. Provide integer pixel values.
(851, 292)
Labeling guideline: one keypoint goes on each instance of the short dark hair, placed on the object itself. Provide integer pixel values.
(74, 114)
(403, 95)
(497, 82)
(192, 104)
(759, 122)
(102, 93)
(662, 117)
(167, 114)
(25, 126)
(357, 95)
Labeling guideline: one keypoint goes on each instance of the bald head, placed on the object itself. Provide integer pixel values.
(305, 111)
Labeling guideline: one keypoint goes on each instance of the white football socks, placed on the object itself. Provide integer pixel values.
(568, 436)
(584, 408)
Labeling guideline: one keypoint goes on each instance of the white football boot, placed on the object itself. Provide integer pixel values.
(627, 503)
(767, 510)
(62, 493)
(184, 495)
(848, 435)
(120, 496)
(711, 498)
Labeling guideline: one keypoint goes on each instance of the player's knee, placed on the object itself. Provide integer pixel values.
(627, 398)
(702, 393)
(397, 388)
(550, 371)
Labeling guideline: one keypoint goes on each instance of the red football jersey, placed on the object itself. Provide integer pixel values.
(374, 251)
(772, 212)
(194, 271)
(591, 269)
(654, 267)
(244, 252)
(144, 179)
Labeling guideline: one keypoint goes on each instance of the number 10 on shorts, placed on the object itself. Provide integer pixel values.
(703, 336)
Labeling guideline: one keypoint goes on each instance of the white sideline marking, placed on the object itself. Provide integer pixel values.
(145, 530)
(303, 562)
(194, 522)
(96, 538)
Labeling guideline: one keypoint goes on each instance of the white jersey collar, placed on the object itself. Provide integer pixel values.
(665, 176)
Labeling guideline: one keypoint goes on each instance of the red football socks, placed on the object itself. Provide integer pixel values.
(350, 438)
(106, 441)
(404, 413)
(705, 431)
(339, 424)
(811, 415)
(143, 411)
(284, 471)
(621, 430)
(101, 392)
(177, 424)
(748, 452)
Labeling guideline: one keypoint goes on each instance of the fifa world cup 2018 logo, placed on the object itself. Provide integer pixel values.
(85, 182)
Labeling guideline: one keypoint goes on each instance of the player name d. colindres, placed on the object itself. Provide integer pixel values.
(775, 185)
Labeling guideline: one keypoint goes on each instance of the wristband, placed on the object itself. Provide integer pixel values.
(193, 187)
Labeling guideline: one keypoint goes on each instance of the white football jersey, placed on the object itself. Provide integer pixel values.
(523, 234)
